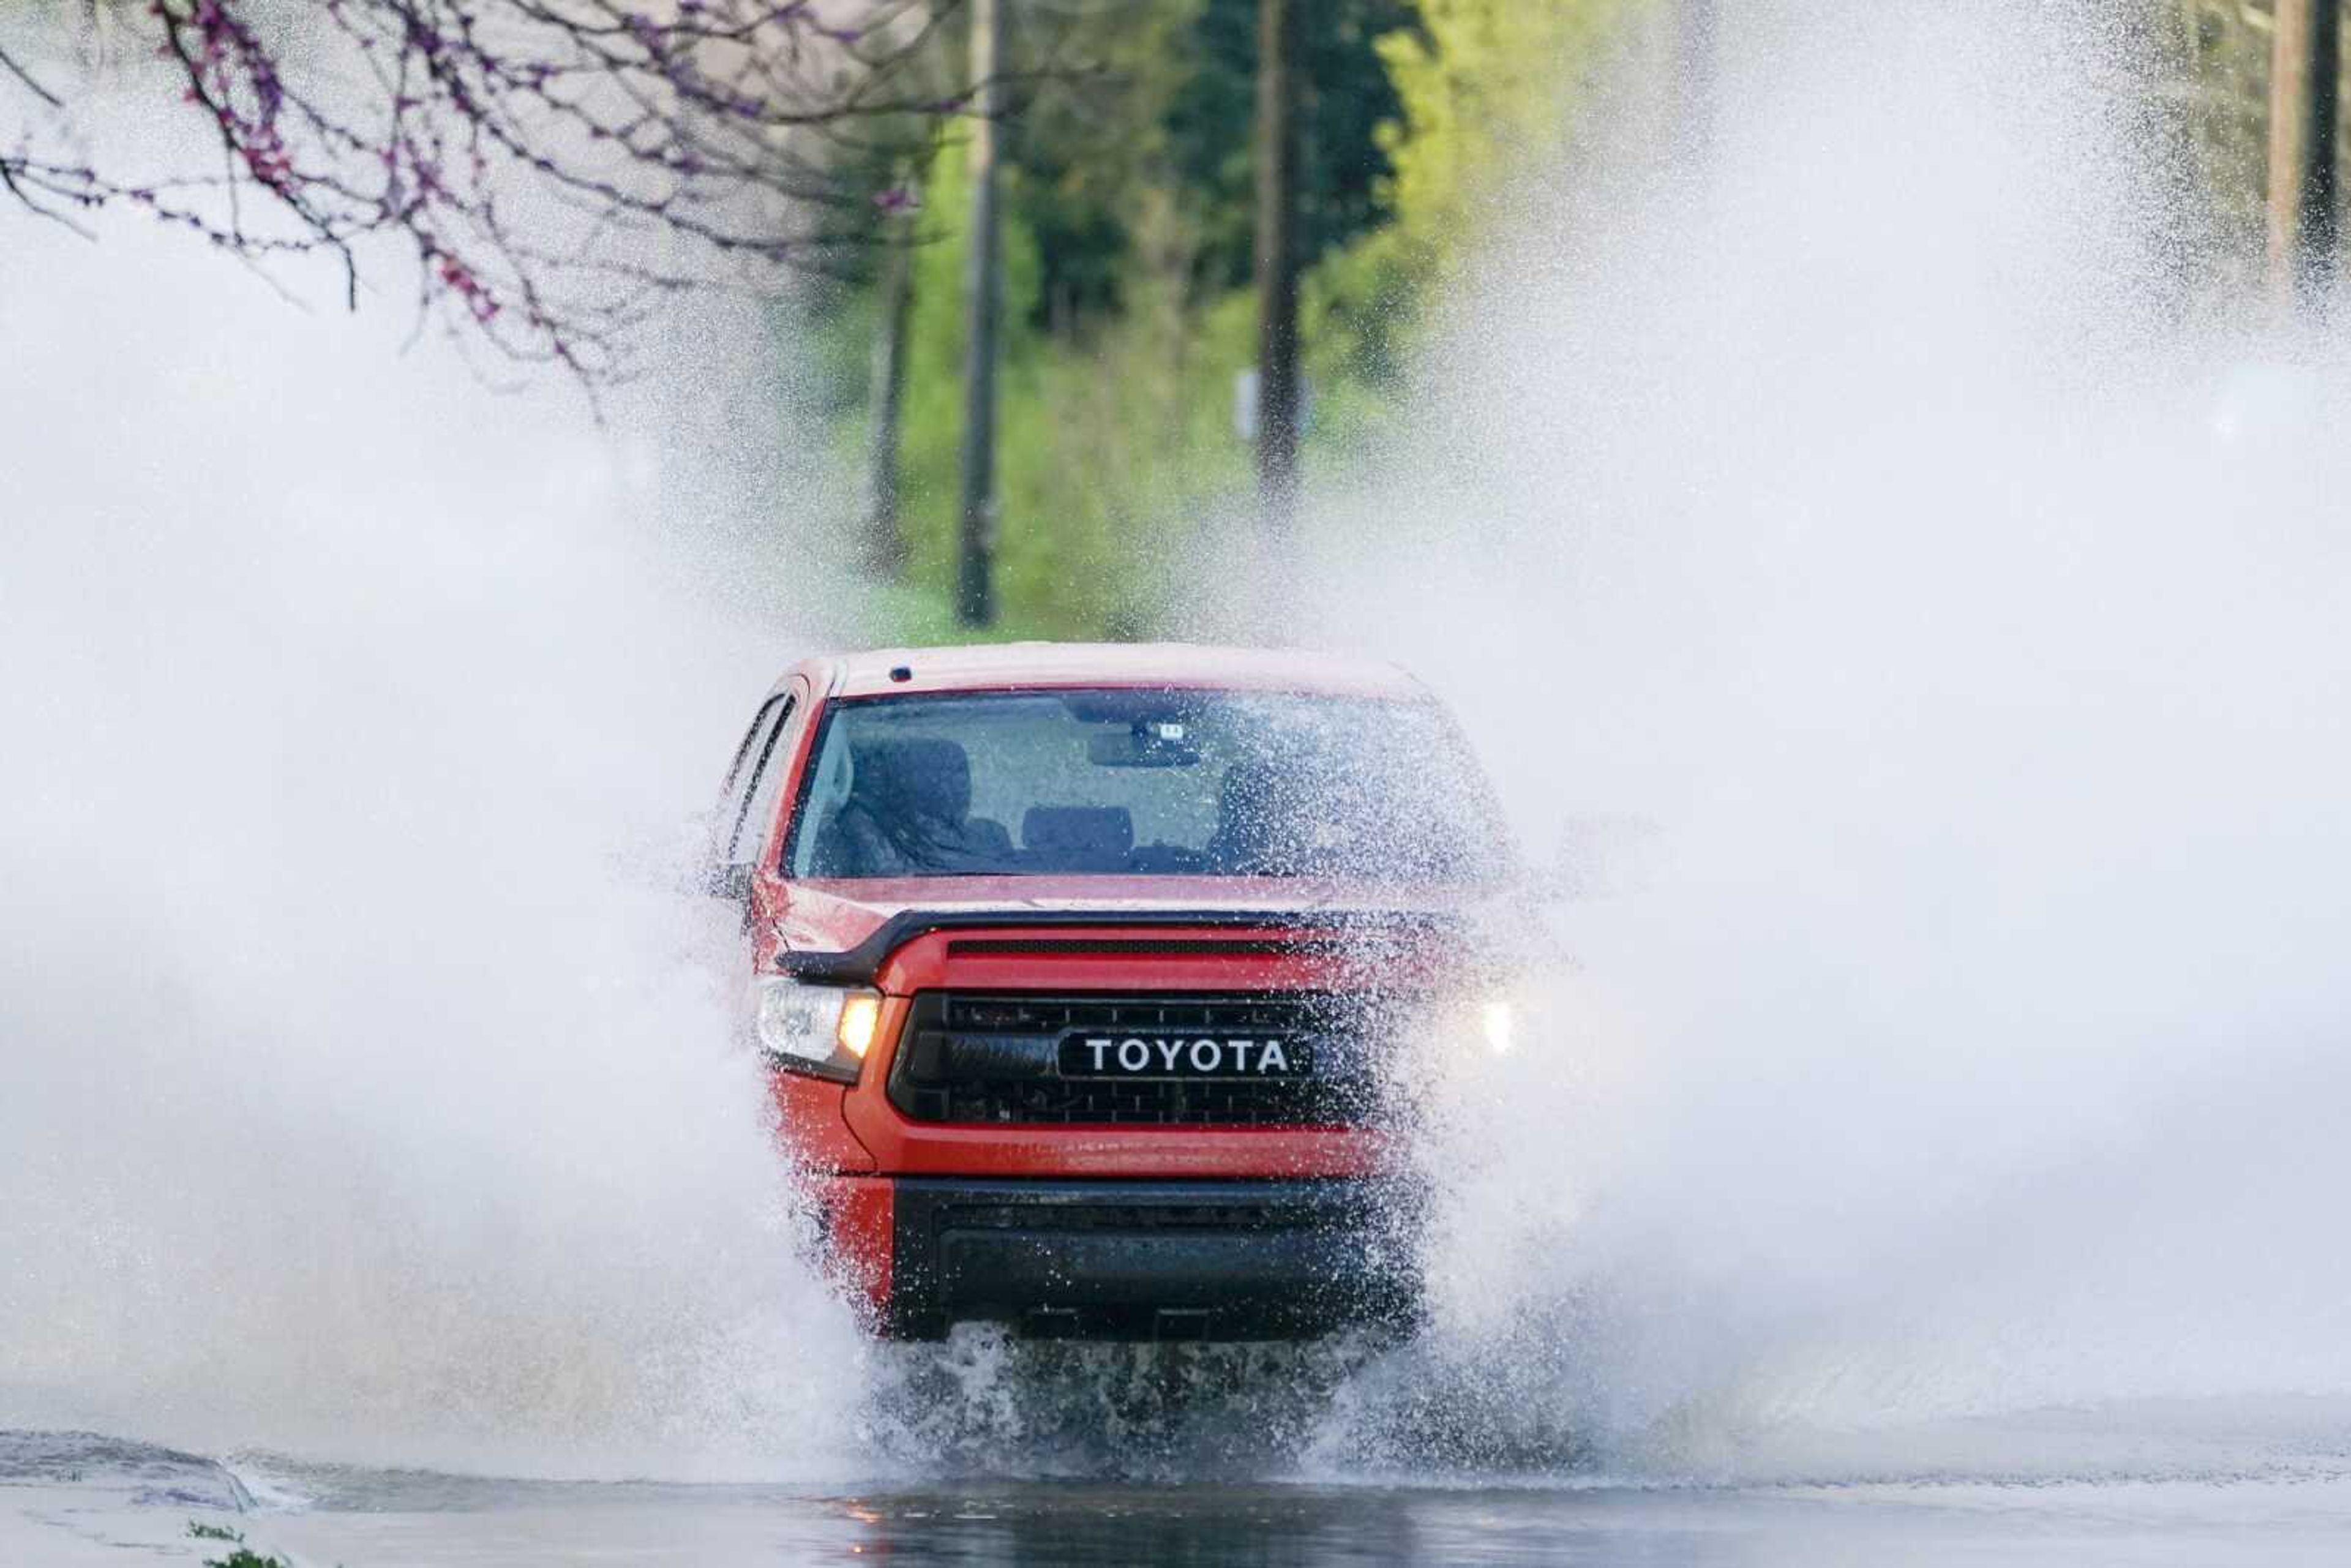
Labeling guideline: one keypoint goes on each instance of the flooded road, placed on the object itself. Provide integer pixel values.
(72, 1500)
(2268, 1521)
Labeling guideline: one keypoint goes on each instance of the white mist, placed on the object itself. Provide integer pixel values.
(1884, 507)
(364, 1093)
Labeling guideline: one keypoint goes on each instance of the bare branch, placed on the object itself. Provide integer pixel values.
(555, 168)
(15, 67)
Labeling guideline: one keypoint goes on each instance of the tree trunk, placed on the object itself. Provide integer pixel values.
(1277, 267)
(975, 556)
(885, 543)
(2305, 68)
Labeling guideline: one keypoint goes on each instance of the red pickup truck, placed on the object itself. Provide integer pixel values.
(1093, 981)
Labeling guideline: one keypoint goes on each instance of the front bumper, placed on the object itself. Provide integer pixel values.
(1228, 1260)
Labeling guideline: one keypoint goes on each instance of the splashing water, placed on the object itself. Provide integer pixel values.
(363, 1094)
(1880, 509)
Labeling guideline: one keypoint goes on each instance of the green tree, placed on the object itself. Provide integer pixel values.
(1126, 316)
(1487, 88)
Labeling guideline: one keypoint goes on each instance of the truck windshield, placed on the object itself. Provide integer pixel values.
(1218, 783)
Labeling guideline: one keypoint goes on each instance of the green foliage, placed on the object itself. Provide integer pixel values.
(1488, 85)
(1100, 430)
(1345, 95)
(1125, 229)
(242, 1556)
(1166, 113)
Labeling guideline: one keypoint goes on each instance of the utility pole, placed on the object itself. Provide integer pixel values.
(975, 540)
(1277, 267)
(885, 545)
(2305, 65)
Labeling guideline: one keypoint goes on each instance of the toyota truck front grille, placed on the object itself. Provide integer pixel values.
(1286, 1060)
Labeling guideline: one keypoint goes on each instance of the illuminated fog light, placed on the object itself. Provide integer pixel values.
(1500, 1027)
(859, 1015)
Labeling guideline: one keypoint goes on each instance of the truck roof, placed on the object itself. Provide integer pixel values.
(998, 666)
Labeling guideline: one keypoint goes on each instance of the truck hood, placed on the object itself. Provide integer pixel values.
(853, 921)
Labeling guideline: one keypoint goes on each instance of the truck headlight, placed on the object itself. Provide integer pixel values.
(1500, 1027)
(825, 1030)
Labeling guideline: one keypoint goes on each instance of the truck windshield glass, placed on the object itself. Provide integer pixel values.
(1124, 782)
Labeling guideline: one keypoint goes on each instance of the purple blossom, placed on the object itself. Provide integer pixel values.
(430, 117)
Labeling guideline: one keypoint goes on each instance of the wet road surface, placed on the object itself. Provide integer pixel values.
(83, 1511)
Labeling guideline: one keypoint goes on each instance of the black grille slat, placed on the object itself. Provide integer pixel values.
(983, 1013)
(1340, 1092)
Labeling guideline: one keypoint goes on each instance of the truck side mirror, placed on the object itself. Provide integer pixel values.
(704, 860)
(731, 883)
